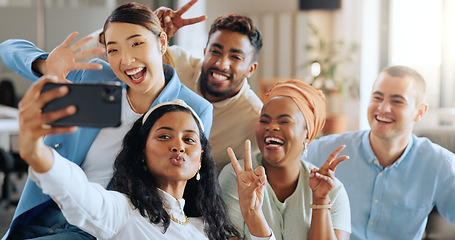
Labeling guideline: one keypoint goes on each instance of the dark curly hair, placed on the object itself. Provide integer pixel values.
(240, 24)
(202, 198)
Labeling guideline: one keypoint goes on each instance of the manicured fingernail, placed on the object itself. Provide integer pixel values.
(167, 19)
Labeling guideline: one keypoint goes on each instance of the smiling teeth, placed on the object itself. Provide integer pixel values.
(219, 76)
(273, 140)
(384, 119)
(133, 71)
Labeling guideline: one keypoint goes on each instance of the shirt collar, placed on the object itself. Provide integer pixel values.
(227, 101)
(172, 205)
(371, 158)
(172, 86)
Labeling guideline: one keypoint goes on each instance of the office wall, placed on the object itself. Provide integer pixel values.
(21, 22)
(249, 7)
(17, 23)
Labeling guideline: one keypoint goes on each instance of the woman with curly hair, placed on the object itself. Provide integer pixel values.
(164, 172)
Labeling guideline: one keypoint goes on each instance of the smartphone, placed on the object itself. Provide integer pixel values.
(98, 105)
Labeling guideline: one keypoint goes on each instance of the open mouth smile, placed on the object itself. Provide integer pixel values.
(218, 77)
(273, 143)
(136, 74)
(384, 119)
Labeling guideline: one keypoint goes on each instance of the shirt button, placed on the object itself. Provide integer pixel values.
(380, 174)
(370, 160)
(57, 146)
(376, 201)
(371, 222)
(376, 162)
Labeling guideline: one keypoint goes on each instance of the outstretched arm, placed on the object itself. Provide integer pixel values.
(87, 205)
(251, 185)
(23, 56)
(172, 21)
(322, 182)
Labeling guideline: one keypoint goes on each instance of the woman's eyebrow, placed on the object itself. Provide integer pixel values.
(284, 115)
(166, 128)
(133, 36)
(128, 38)
(171, 129)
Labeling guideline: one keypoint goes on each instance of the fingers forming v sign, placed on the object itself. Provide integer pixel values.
(62, 59)
(322, 179)
(250, 182)
(172, 21)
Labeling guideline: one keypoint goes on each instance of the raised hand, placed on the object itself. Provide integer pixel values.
(172, 21)
(322, 180)
(33, 124)
(63, 59)
(251, 185)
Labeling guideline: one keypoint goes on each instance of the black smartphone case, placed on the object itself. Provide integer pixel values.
(98, 105)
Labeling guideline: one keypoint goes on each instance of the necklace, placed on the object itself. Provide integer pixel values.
(131, 104)
(178, 221)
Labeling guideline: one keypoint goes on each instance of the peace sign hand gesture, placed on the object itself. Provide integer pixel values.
(251, 185)
(172, 21)
(322, 179)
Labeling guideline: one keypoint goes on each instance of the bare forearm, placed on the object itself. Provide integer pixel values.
(321, 225)
(257, 224)
(321, 221)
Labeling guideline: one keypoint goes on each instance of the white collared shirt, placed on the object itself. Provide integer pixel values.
(110, 214)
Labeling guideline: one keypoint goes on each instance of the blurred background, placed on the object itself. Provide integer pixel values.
(336, 45)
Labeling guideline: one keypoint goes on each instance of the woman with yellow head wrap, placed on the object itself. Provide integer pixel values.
(297, 200)
(311, 103)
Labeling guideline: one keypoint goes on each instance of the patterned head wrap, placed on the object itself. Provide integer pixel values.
(310, 101)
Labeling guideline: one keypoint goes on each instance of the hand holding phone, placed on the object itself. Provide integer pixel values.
(98, 105)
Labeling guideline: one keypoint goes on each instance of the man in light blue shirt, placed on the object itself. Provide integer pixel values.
(393, 178)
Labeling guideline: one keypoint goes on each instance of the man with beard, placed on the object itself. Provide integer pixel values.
(230, 58)
(393, 178)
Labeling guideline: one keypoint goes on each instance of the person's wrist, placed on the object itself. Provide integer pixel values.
(251, 215)
(321, 206)
(257, 224)
(321, 200)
